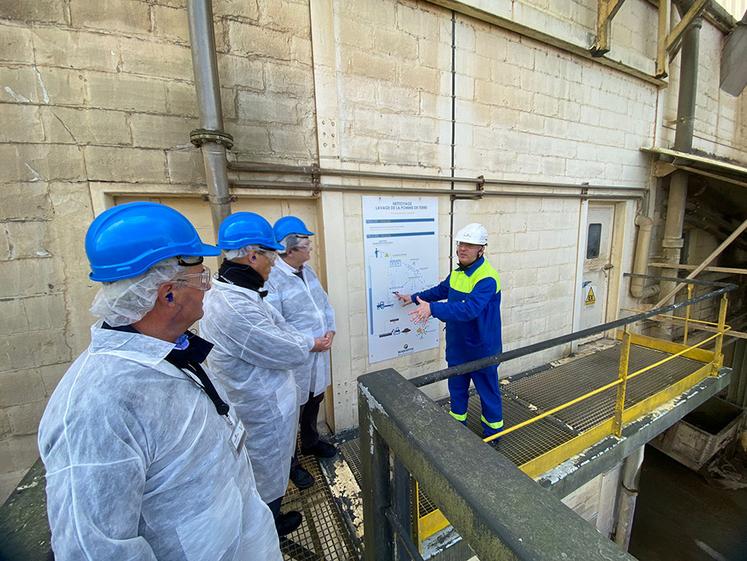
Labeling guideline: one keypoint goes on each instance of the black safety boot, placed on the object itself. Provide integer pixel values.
(288, 522)
(301, 478)
(321, 450)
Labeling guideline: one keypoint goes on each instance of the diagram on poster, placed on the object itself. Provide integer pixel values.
(401, 255)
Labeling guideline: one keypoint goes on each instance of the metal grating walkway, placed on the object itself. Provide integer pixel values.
(525, 396)
(322, 535)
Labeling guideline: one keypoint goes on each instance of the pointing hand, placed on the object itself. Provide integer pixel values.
(404, 299)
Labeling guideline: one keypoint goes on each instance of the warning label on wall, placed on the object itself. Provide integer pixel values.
(591, 298)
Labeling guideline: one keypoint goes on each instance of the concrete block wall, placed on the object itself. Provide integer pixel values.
(93, 93)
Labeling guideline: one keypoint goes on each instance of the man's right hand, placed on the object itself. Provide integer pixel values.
(321, 344)
(404, 299)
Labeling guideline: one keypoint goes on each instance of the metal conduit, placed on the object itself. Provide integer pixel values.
(318, 172)
(211, 137)
(457, 193)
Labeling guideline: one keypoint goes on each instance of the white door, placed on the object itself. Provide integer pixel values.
(597, 264)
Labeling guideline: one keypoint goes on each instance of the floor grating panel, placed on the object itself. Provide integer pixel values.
(322, 535)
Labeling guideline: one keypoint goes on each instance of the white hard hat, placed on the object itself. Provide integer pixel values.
(472, 233)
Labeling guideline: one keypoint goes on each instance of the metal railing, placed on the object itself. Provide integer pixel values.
(496, 508)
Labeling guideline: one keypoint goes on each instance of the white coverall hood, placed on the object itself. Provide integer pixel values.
(253, 360)
(140, 465)
(304, 304)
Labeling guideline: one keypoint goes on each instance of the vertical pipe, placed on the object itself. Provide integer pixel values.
(210, 137)
(453, 136)
(683, 142)
(628, 493)
(638, 287)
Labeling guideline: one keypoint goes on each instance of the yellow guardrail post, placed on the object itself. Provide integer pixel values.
(687, 313)
(623, 376)
(718, 356)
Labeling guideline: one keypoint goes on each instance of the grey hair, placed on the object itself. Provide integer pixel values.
(291, 242)
(232, 254)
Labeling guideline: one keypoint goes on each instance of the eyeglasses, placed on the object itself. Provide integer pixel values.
(200, 281)
(269, 254)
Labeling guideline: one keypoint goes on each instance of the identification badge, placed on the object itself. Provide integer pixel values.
(238, 432)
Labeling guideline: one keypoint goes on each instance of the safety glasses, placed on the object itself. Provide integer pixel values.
(200, 281)
(269, 254)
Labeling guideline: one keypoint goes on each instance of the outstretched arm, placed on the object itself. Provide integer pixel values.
(470, 308)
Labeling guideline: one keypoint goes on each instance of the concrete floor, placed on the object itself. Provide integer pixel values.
(682, 517)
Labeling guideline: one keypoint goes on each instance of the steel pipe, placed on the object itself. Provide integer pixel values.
(320, 172)
(458, 193)
(210, 137)
(683, 142)
(638, 287)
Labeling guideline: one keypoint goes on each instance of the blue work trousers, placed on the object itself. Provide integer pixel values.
(486, 383)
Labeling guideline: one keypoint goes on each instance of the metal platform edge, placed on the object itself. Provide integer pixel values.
(603, 456)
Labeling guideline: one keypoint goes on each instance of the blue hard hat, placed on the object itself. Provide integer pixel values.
(127, 240)
(288, 225)
(246, 228)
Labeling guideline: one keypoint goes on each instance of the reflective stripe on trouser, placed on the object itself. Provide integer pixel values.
(486, 383)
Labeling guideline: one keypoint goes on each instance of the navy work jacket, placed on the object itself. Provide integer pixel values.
(472, 311)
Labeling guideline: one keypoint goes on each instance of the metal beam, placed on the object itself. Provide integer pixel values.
(683, 267)
(606, 11)
(662, 62)
(674, 38)
(716, 176)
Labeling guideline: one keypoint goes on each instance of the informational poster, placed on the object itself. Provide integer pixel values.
(401, 255)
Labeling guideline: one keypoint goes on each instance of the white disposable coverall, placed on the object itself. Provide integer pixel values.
(306, 307)
(253, 360)
(140, 466)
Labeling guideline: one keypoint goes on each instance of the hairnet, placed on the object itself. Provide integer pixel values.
(232, 254)
(126, 301)
(291, 242)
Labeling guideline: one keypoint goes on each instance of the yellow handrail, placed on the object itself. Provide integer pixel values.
(672, 357)
(599, 390)
(691, 320)
(690, 289)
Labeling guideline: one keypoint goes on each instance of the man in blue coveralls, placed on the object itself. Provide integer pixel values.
(472, 313)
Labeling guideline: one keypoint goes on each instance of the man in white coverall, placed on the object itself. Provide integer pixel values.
(144, 459)
(255, 354)
(295, 291)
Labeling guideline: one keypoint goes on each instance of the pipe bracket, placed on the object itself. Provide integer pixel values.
(198, 137)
